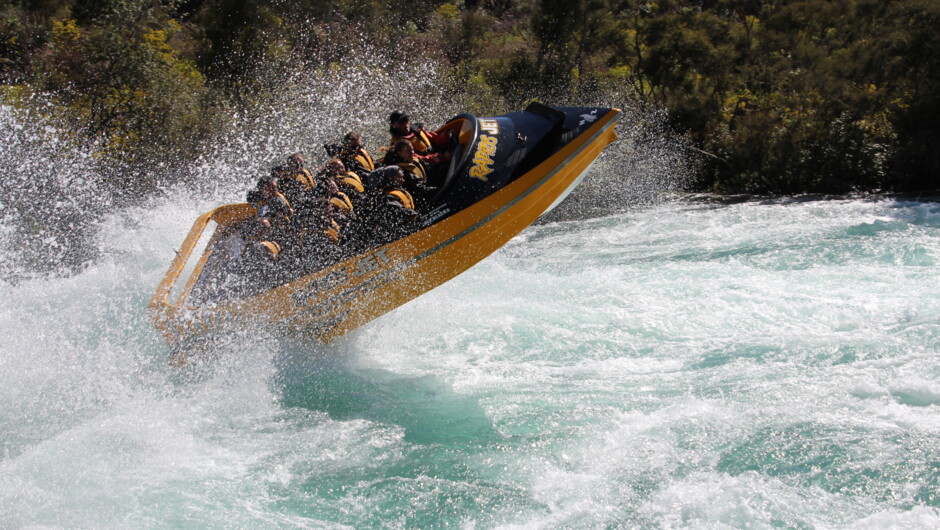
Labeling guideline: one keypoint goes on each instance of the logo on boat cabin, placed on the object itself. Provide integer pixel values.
(588, 118)
(490, 126)
(483, 160)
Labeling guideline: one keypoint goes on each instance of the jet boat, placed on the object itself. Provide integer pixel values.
(504, 173)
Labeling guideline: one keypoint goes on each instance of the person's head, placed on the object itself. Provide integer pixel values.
(400, 122)
(334, 166)
(295, 162)
(352, 141)
(331, 186)
(268, 186)
(395, 177)
(404, 150)
(388, 176)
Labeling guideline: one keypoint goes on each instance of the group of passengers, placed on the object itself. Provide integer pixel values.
(351, 203)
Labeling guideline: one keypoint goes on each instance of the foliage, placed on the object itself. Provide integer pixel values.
(787, 97)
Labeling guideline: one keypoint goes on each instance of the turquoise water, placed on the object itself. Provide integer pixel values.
(686, 365)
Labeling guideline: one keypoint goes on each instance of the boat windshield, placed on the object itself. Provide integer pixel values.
(466, 129)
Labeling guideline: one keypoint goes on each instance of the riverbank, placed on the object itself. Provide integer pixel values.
(783, 98)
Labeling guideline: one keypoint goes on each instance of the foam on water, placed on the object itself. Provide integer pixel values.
(683, 365)
(771, 347)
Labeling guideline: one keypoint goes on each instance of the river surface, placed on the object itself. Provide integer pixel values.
(683, 365)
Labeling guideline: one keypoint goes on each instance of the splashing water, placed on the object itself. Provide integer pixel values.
(679, 364)
(318, 108)
(647, 162)
(50, 196)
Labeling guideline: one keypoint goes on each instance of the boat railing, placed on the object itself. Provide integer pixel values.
(222, 216)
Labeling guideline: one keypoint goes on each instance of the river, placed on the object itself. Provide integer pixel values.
(685, 364)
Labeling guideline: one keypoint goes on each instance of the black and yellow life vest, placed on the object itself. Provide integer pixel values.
(419, 140)
(364, 160)
(332, 231)
(273, 209)
(403, 197)
(341, 202)
(272, 247)
(416, 169)
(303, 177)
(351, 180)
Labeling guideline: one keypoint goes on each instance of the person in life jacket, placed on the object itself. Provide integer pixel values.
(424, 142)
(340, 185)
(352, 154)
(423, 174)
(348, 183)
(295, 181)
(349, 198)
(273, 230)
(391, 213)
(320, 236)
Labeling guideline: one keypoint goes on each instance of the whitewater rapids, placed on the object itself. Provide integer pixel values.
(689, 364)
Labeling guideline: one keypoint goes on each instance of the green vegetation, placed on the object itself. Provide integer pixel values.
(784, 96)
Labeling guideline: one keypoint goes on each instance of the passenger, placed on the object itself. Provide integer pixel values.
(392, 212)
(424, 142)
(336, 181)
(295, 181)
(353, 155)
(350, 199)
(320, 237)
(349, 182)
(326, 177)
(273, 208)
(342, 205)
(256, 195)
(343, 215)
(423, 174)
(274, 229)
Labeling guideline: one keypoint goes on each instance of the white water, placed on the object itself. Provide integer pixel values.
(681, 365)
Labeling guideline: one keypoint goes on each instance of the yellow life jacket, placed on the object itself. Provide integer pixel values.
(332, 231)
(421, 142)
(364, 160)
(280, 218)
(303, 177)
(273, 247)
(416, 168)
(281, 195)
(352, 180)
(404, 197)
(341, 201)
